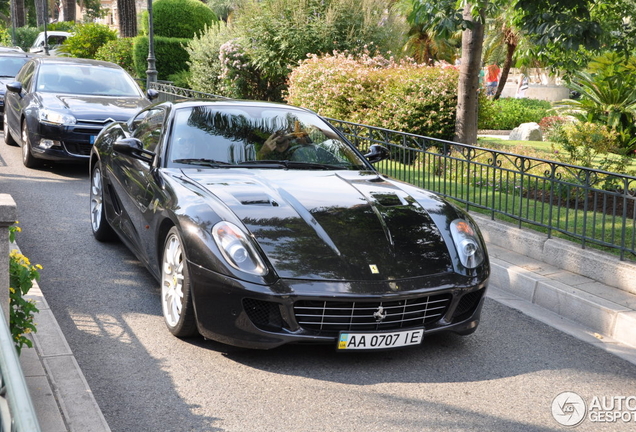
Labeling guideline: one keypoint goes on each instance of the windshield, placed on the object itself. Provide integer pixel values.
(86, 80)
(10, 66)
(257, 137)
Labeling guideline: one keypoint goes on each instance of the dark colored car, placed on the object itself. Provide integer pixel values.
(264, 226)
(57, 106)
(11, 60)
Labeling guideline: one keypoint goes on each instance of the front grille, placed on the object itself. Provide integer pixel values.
(330, 317)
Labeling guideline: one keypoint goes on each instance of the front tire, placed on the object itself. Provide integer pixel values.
(102, 231)
(8, 139)
(28, 159)
(176, 300)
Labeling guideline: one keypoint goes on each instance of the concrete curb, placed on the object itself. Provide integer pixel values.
(602, 267)
(591, 288)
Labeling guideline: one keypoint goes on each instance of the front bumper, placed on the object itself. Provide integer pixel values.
(73, 143)
(292, 311)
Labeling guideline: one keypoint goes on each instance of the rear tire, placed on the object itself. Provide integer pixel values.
(176, 298)
(28, 159)
(102, 231)
(8, 139)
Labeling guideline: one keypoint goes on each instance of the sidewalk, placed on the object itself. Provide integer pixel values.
(547, 279)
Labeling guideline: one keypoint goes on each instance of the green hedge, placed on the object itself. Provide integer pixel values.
(178, 18)
(170, 54)
(508, 113)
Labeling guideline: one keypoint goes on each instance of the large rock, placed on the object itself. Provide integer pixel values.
(526, 132)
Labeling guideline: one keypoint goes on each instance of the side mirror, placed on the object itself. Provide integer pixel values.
(377, 153)
(15, 87)
(152, 94)
(134, 148)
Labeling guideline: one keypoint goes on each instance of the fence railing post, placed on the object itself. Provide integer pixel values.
(8, 216)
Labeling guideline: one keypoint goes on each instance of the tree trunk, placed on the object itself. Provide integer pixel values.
(68, 6)
(18, 16)
(127, 18)
(510, 51)
(40, 17)
(468, 87)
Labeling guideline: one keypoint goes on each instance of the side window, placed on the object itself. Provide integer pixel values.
(148, 130)
(26, 76)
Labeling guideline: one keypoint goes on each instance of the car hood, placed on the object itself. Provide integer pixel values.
(95, 107)
(3, 83)
(340, 225)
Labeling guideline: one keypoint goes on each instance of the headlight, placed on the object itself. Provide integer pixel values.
(237, 248)
(471, 254)
(55, 117)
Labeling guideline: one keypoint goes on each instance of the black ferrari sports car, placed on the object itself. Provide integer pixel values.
(265, 226)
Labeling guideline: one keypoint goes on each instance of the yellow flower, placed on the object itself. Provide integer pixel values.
(11, 290)
(38, 266)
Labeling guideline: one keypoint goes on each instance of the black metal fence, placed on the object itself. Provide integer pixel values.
(586, 205)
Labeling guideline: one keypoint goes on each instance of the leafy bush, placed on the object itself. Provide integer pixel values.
(87, 39)
(204, 64)
(170, 54)
(5, 37)
(21, 311)
(68, 26)
(608, 97)
(178, 18)
(508, 113)
(25, 36)
(590, 145)
(119, 51)
(374, 90)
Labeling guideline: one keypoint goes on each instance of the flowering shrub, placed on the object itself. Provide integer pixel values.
(21, 311)
(379, 91)
(552, 127)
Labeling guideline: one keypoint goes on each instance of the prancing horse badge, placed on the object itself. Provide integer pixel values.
(374, 268)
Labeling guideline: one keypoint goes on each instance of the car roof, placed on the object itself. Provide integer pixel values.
(73, 61)
(15, 54)
(225, 102)
(16, 50)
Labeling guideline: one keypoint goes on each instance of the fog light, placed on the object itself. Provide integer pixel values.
(47, 143)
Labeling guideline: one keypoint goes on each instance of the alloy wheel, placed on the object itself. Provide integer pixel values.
(172, 281)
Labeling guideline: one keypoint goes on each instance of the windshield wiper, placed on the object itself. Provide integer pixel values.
(266, 163)
(313, 165)
(202, 161)
(292, 164)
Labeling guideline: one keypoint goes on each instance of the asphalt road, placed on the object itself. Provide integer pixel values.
(502, 378)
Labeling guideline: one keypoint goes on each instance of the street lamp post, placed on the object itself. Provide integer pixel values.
(151, 73)
(46, 21)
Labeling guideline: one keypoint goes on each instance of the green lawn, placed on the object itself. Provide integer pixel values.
(504, 191)
(538, 149)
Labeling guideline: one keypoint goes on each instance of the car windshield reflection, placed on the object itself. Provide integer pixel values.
(86, 80)
(257, 138)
